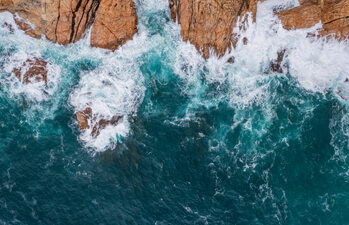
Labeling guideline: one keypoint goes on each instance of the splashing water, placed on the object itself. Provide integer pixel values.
(202, 141)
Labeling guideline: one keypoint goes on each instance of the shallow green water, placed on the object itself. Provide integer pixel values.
(204, 146)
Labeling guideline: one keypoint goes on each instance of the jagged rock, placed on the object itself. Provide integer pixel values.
(231, 60)
(27, 28)
(334, 15)
(83, 117)
(209, 24)
(31, 70)
(115, 23)
(103, 123)
(65, 21)
(276, 65)
(86, 118)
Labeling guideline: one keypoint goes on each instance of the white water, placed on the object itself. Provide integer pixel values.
(116, 86)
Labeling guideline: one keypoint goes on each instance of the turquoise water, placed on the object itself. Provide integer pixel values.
(204, 142)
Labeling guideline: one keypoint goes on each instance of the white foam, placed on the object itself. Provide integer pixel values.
(116, 86)
(34, 91)
(317, 64)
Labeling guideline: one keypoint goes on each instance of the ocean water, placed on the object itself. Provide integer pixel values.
(202, 141)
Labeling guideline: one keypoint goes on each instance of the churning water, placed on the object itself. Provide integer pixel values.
(202, 141)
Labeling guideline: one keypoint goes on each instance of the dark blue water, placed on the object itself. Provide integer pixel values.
(198, 151)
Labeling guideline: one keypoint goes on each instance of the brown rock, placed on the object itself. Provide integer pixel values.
(35, 69)
(209, 24)
(308, 2)
(74, 17)
(337, 28)
(334, 15)
(62, 21)
(65, 21)
(103, 123)
(83, 118)
(27, 28)
(86, 117)
(303, 16)
(5, 4)
(335, 18)
(115, 23)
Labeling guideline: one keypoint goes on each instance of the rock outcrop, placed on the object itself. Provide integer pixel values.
(276, 65)
(209, 24)
(32, 70)
(62, 21)
(86, 120)
(334, 15)
(66, 21)
(115, 23)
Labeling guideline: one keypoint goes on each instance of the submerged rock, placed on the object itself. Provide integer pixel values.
(334, 15)
(32, 70)
(86, 120)
(66, 21)
(209, 24)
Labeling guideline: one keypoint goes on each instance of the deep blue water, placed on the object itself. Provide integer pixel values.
(198, 151)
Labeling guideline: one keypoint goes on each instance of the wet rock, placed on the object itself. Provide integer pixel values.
(231, 60)
(115, 23)
(32, 70)
(245, 40)
(276, 65)
(103, 123)
(27, 28)
(87, 119)
(334, 15)
(83, 117)
(209, 24)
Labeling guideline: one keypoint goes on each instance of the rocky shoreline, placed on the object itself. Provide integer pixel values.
(206, 24)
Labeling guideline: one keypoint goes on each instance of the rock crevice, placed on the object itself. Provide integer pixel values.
(209, 24)
(66, 21)
(333, 14)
